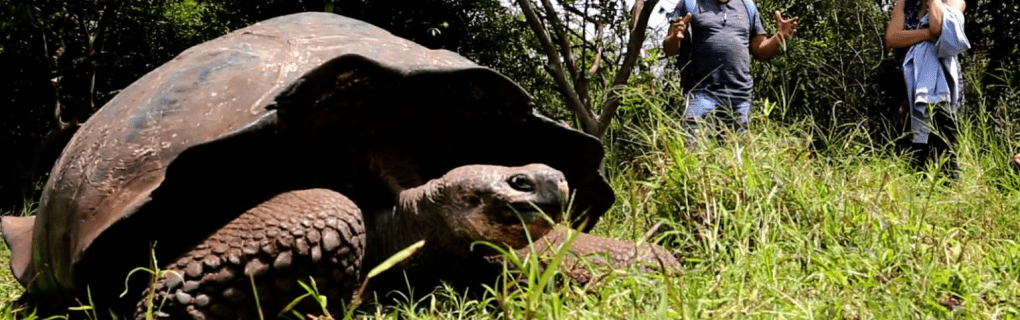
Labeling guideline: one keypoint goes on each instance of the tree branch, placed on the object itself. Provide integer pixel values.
(558, 28)
(598, 47)
(588, 44)
(573, 10)
(588, 119)
(581, 79)
(578, 79)
(637, 37)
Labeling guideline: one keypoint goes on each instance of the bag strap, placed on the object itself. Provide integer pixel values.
(752, 12)
(691, 6)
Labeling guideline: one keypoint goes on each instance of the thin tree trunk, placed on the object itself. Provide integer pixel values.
(642, 10)
(574, 88)
(583, 112)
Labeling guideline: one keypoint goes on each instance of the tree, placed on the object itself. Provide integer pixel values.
(557, 41)
(993, 28)
(63, 60)
(54, 49)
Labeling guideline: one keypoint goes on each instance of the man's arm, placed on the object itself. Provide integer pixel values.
(671, 45)
(764, 47)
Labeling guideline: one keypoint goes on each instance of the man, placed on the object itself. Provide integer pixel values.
(723, 35)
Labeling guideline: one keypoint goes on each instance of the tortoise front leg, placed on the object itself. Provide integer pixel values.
(294, 236)
(590, 249)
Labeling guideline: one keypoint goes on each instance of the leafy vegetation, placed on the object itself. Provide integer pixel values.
(812, 213)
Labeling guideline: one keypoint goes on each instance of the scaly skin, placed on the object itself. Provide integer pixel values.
(597, 250)
(294, 236)
(319, 234)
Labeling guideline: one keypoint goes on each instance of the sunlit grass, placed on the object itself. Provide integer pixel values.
(9, 288)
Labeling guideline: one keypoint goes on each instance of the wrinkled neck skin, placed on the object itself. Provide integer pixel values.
(402, 225)
(417, 215)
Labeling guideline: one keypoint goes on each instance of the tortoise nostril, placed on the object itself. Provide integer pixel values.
(521, 182)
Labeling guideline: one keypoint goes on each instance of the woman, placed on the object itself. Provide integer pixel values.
(931, 32)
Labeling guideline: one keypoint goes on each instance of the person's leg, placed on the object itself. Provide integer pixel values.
(920, 128)
(935, 130)
(944, 122)
(742, 113)
(699, 105)
(920, 123)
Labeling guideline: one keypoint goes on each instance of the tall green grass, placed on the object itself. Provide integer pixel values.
(780, 221)
(773, 226)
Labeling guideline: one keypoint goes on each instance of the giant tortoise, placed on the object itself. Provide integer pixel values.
(304, 147)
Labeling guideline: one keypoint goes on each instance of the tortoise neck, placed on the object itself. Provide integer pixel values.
(413, 218)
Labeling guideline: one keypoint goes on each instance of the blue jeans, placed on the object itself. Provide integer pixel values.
(701, 104)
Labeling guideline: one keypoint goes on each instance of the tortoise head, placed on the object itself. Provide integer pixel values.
(496, 203)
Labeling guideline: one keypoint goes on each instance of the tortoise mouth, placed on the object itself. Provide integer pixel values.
(531, 212)
(519, 223)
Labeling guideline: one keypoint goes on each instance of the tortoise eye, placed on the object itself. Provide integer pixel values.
(521, 182)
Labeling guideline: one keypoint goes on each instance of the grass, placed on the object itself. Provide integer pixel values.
(771, 227)
(10, 290)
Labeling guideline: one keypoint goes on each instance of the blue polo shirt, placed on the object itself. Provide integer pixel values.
(720, 48)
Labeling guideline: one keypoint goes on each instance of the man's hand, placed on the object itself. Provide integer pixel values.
(764, 48)
(678, 27)
(785, 28)
(671, 45)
